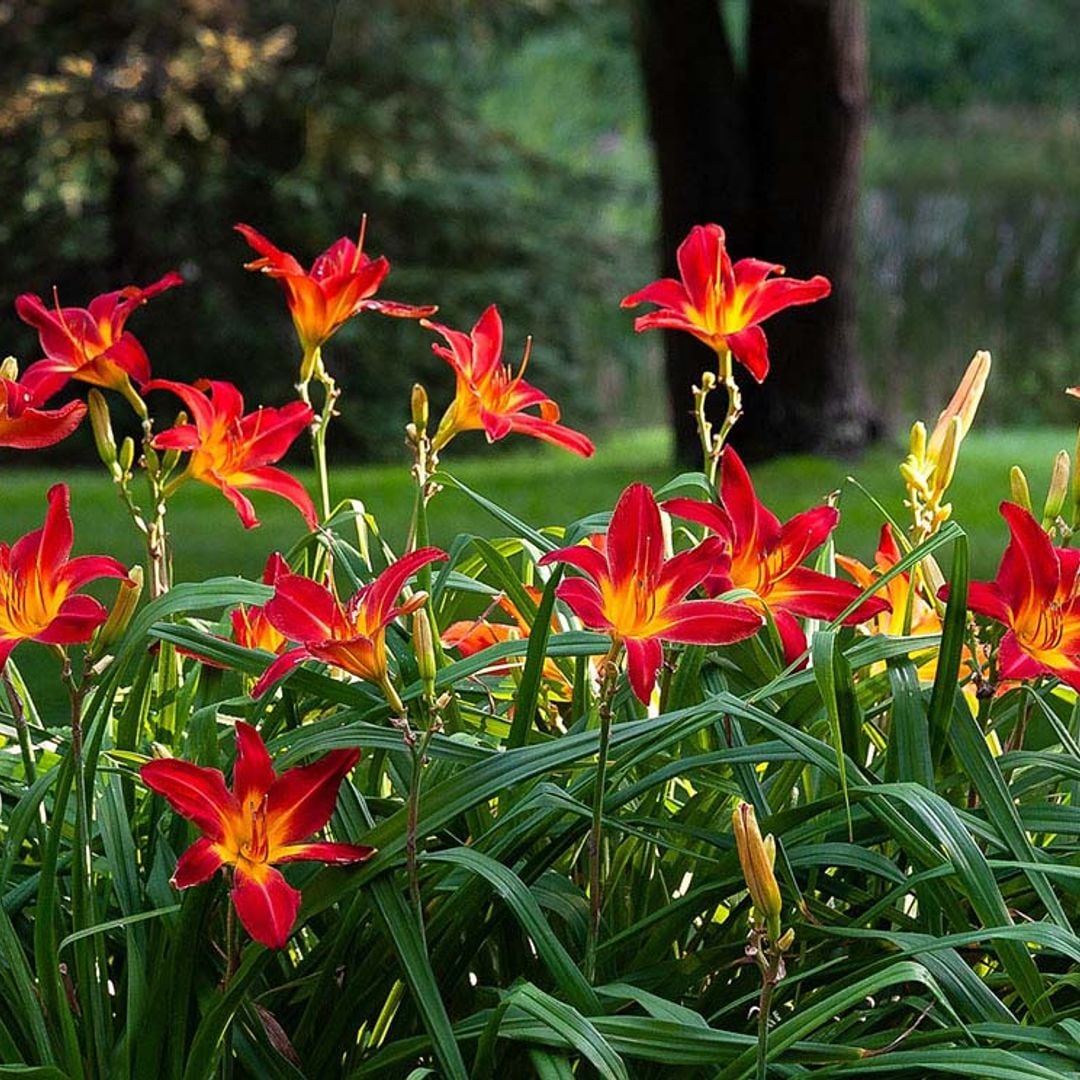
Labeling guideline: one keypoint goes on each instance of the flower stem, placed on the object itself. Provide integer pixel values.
(609, 673)
(764, 1008)
(319, 427)
(712, 446)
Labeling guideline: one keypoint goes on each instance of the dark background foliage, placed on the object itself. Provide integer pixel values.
(501, 153)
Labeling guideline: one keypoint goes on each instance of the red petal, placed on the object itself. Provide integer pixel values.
(805, 532)
(278, 482)
(1029, 573)
(583, 556)
(278, 670)
(253, 774)
(710, 622)
(197, 864)
(304, 610)
(1014, 662)
(274, 260)
(35, 428)
(667, 293)
(754, 528)
(700, 258)
(585, 602)
(78, 618)
(267, 905)
(303, 798)
(487, 343)
(807, 592)
(325, 852)
(643, 660)
(984, 598)
(379, 597)
(751, 348)
(690, 568)
(197, 793)
(792, 638)
(773, 296)
(635, 539)
(400, 311)
(556, 434)
(710, 515)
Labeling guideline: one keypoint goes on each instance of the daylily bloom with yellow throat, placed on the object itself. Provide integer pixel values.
(339, 285)
(1035, 594)
(250, 626)
(231, 451)
(261, 823)
(39, 599)
(489, 398)
(90, 344)
(763, 556)
(351, 636)
(722, 304)
(639, 597)
(24, 425)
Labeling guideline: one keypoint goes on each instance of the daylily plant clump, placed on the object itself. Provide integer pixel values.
(494, 803)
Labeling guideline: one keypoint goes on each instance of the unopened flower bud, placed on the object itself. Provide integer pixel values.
(127, 599)
(787, 939)
(419, 405)
(160, 751)
(708, 381)
(172, 456)
(126, 457)
(1076, 484)
(101, 425)
(945, 463)
(1059, 488)
(756, 857)
(424, 647)
(9, 369)
(1018, 486)
(917, 440)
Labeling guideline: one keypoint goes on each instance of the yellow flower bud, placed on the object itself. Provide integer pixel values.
(949, 449)
(419, 405)
(127, 599)
(126, 456)
(917, 441)
(963, 403)
(424, 647)
(1018, 486)
(9, 369)
(1059, 488)
(756, 857)
(101, 425)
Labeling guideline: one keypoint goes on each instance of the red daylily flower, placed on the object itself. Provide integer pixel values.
(1035, 594)
(763, 556)
(350, 636)
(260, 823)
(721, 304)
(488, 398)
(24, 425)
(90, 344)
(39, 583)
(639, 598)
(339, 285)
(230, 451)
(251, 628)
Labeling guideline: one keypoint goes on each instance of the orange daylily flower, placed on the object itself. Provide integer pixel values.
(722, 304)
(489, 398)
(1036, 594)
(231, 451)
(39, 599)
(90, 344)
(765, 557)
(639, 597)
(261, 823)
(350, 636)
(470, 636)
(339, 285)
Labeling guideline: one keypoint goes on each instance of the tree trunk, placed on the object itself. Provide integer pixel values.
(776, 162)
(703, 167)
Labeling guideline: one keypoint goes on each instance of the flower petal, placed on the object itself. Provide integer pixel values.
(635, 539)
(266, 903)
(302, 799)
(193, 791)
(199, 863)
(253, 774)
(324, 851)
(643, 660)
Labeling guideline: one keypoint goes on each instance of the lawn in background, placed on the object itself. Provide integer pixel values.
(541, 485)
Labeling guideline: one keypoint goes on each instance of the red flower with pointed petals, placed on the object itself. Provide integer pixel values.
(639, 597)
(765, 556)
(262, 822)
(339, 285)
(90, 344)
(251, 628)
(39, 599)
(721, 304)
(24, 425)
(1035, 594)
(231, 451)
(489, 398)
(350, 636)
